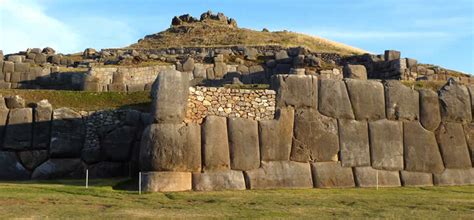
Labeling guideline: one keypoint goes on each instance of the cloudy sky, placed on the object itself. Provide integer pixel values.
(432, 31)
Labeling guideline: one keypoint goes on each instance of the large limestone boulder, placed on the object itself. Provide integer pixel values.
(166, 181)
(244, 147)
(188, 65)
(11, 168)
(43, 113)
(170, 96)
(401, 102)
(454, 177)
(15, 102)
(453, 146)
(421, 151)
(117, 144)
(59, 168)
(67, 133)
(355, 72)
(276, 136)
(367, 98)
(430, 115)
(32, 159)
(332, 175)
(369, 177)
(215, 146)
(171, 147)
(334, 99)
(386, 144)
(469, 132)
(455, 103)
(315, 137)
(354, 140)
(19, 129)
(296, 90)
(219, 180)
(280, 174)
(416, 178)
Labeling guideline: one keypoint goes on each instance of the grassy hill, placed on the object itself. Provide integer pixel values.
(210, 33)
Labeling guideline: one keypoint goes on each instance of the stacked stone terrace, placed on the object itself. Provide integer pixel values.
(326, 133)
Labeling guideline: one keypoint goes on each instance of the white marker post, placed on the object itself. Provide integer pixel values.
(139, 183)
(87, 178)
(377, 177)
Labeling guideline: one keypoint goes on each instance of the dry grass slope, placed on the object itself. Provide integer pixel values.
(213, 34)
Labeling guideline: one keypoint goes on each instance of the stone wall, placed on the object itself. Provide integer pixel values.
(234, 103)
(46, 143)
(326, 133)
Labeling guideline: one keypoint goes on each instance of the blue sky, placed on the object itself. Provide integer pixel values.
(432, 31)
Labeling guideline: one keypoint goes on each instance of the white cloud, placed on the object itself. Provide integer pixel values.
(24, 24)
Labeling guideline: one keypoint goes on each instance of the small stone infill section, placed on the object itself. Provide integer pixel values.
(235, 103)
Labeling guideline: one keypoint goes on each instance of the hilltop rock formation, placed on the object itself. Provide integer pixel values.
(207, 16)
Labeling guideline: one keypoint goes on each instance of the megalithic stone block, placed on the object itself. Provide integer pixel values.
(453, 146)
(469, 132)
(216, 154)
(370, 177)
(332, 175)
(416, 178)
(280, 174)
(455, 103)
(454, 177)
(244, 147)
(171, 147)
(219, 180)
(367, 98)
(67, 133)
(315, 137)
(354, 139)
(334, 100)
(18, 132)
(430, 115)
(276, 136)
(43, 113)
(296, 90)
(421, 151)
(170, 96)
(166, 181)
(386, 144)
(401, 102)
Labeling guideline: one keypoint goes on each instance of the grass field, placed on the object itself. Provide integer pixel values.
(69, 199)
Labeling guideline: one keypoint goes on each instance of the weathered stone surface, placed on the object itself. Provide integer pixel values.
(32, 159)
(220, 69)
(454, 177)
(42, 128)
(280, 174)
(354, 139)
(471, 92)
(216, 154)
(453, 146)
(108, 170)
(219, 180)
(401, 102)
(19, 129)
(367, 98)
(455, 103)
(199, 71)
(188, 65)
(421, 151)
(244, 148)
(15, 102)
(166, 181)
(334, 99)
(59, 168)
(315, 137)
(355, 72)
(282, 57)
(171, 147)
(3, 119)
(386, 144)
(369, 177)
(67, 133)
(416, 178)
(116, 145)
(11, 168)
(430, 115)
(8, 67)
(276, 136)
(170, 96)
(295, 90)
(332, 175)
(392, 55)
(469, 132)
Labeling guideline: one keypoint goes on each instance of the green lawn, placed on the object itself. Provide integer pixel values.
(66, 199)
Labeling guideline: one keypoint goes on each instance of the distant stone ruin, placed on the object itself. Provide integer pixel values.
(207, 16)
